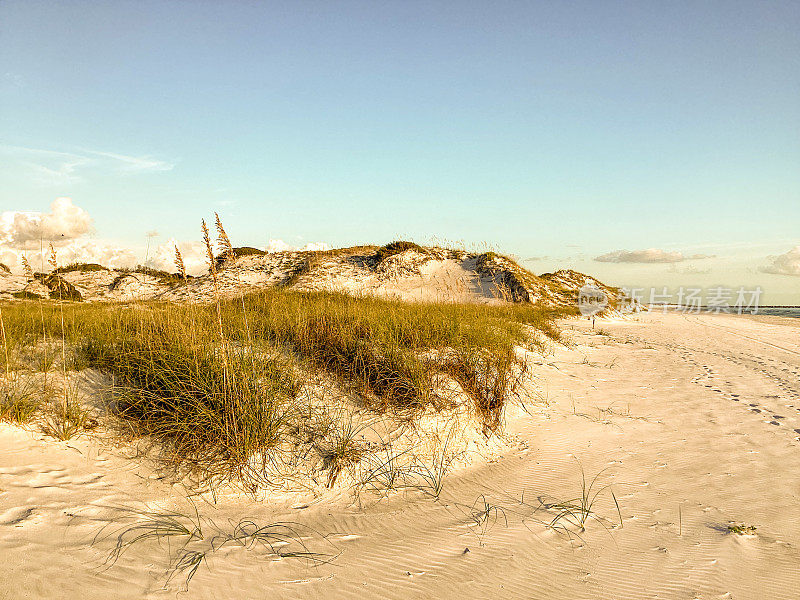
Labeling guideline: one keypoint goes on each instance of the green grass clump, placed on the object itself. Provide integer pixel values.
(742, 529)
(248, 251)
(19, 401)
(214, 407)
(62, 289)
(82, 267)
(396, 248)
(237, 253)
(391, 350)
(162, 276)
(25, 295)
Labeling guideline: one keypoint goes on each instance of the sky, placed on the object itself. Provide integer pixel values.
(647, 143)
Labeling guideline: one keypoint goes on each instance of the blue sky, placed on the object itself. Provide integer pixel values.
(564, 130)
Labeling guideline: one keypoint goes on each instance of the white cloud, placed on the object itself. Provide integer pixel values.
(784, 264)
(132, 164)
(94, 251)
(27, 230)
(278, 246)
(194, 256)
(281, 246)
(651, 255)
(82, 250)
(700, 256)
(68, 227)
(315, 246)
(8, 257)
(52, 167)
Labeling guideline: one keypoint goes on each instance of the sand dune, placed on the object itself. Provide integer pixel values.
(694, 421)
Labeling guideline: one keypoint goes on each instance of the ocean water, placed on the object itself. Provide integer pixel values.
(780, 311)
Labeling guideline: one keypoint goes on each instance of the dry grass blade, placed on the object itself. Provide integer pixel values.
(188, 562)
(482, 511)
(282, 540)
(279, 539)
(155, 526)
(432, 476)
(578, 511)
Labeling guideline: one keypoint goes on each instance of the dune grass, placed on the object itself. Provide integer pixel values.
(216, 385)
(397, 247)
(81, 267)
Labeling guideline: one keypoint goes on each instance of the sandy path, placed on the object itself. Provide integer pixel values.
(696, 420)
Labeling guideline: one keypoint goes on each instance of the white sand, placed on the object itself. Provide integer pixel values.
(696, 420)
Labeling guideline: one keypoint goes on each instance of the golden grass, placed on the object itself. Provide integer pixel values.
(216, 385)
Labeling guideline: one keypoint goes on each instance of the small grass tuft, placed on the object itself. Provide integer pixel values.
(81, 267)
(742, 529)
(579, 511)
(19, 400)
(65, 418)
(26, 295)
(238, 253)
(397, 247)
(200, 537)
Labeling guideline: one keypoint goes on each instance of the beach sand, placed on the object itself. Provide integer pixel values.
(693, 420)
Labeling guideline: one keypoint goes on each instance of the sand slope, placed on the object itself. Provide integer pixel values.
(436, 274)
(696, 420)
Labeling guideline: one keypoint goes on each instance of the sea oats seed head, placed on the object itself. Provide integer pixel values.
(179, 263)
(26, 267)
(209, 251)
(52, 257)
(222, 238)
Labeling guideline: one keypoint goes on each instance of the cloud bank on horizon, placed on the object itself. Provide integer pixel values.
(69, 228)
(784, 264)
(651, 255)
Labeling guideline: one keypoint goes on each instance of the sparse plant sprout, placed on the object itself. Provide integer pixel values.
(577, 512)
(432, 475)
(338, 445)
(199, 537)
(386, 471)
(483, 512)
(155, 526)
(742, 529)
